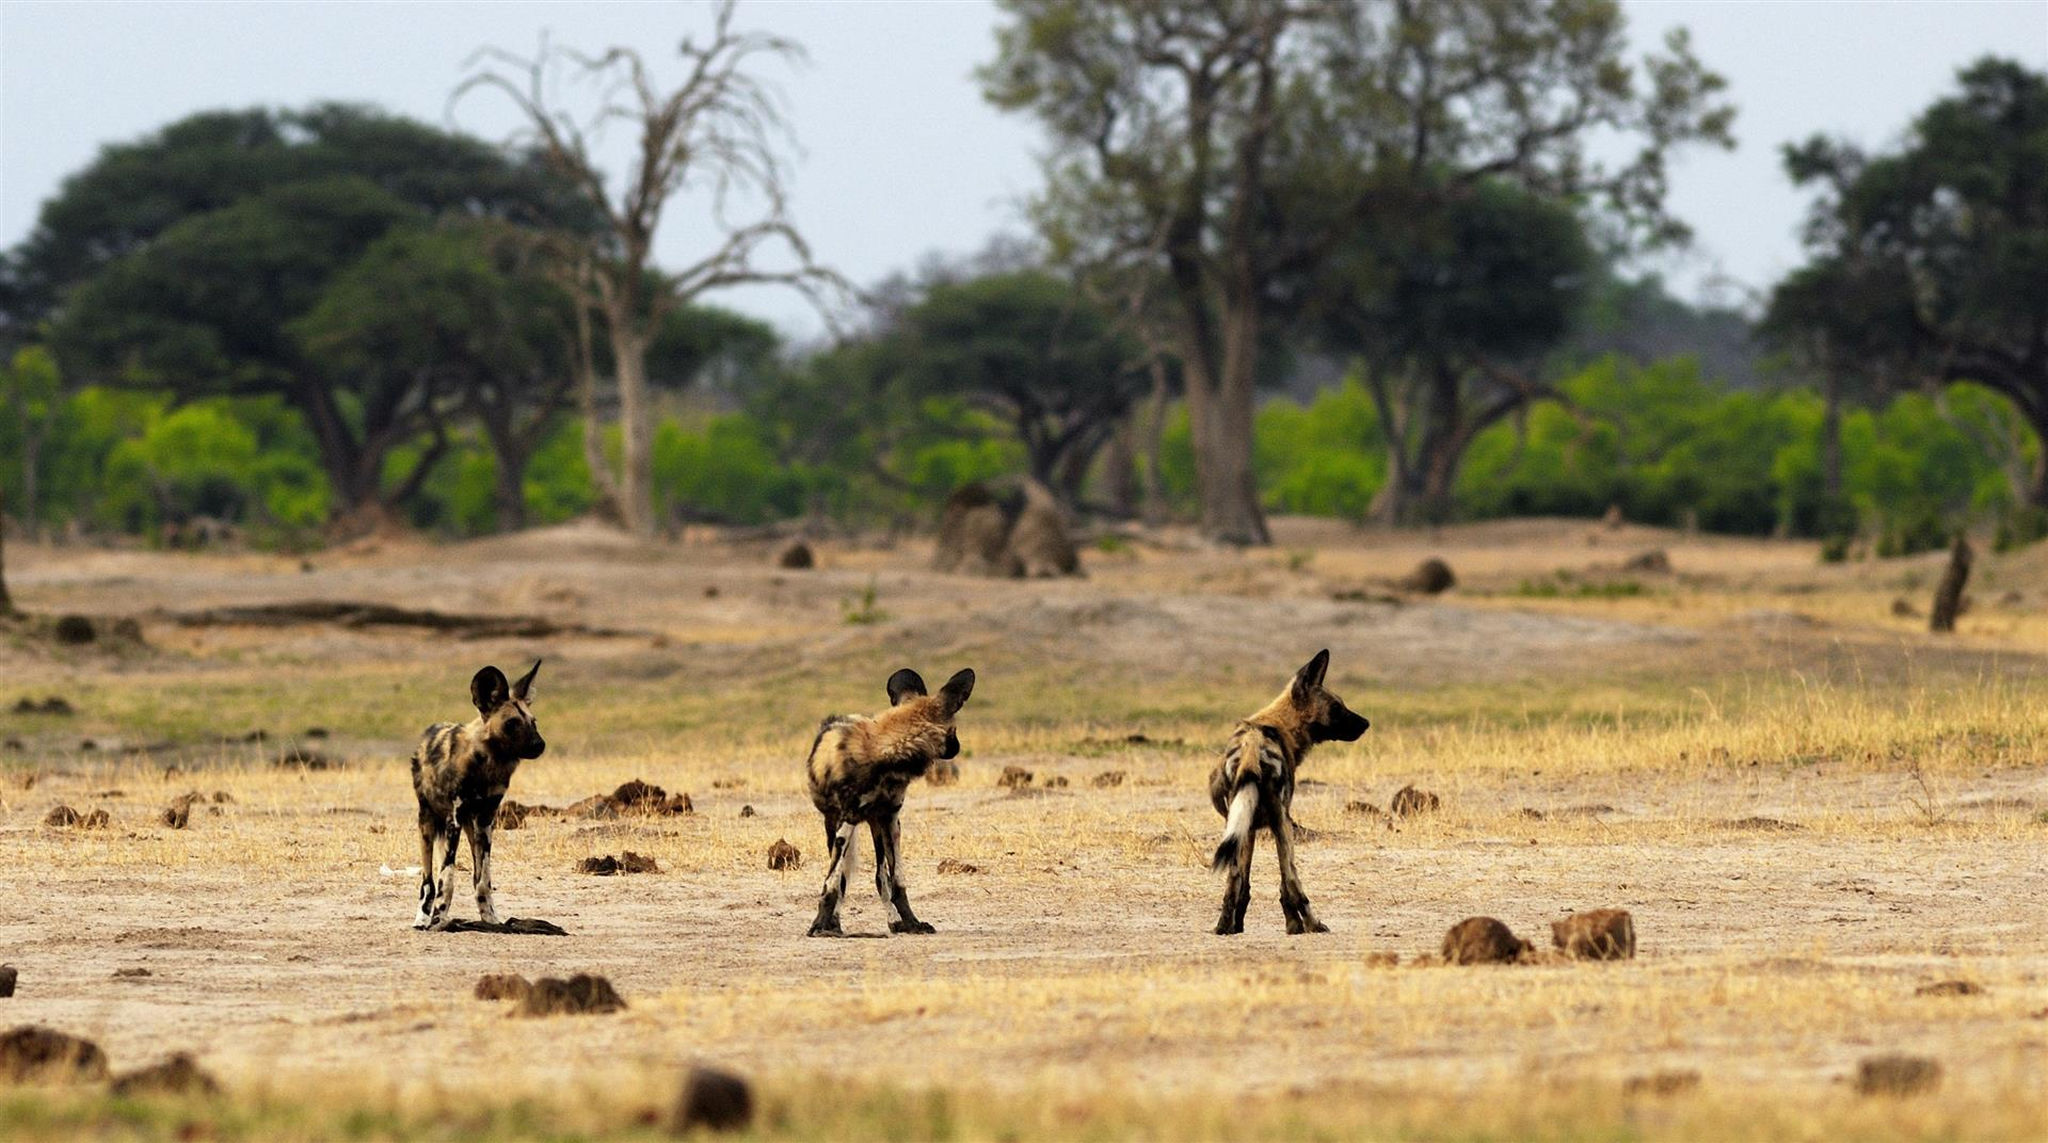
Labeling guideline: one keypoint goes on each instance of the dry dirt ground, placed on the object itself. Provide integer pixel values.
(1811, 807)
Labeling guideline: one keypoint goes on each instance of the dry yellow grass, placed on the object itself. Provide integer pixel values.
(1808, 818)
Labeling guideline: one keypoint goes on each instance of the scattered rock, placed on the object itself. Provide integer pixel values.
(1409, 801)
(955, 865)
(7, 978)
(502, 986)
(581, 994)
(1655, 561)
(1950, 988)
(796, 557)
(1108, 780)
(1430, 577)
(1661, 1083)
(33, 1052)
(179, 1074)
(783, 855)
(1014, 778)
(711, 591)
(943, 772)
(1895, 1074)
(52, 704)
(1601, 934)
(1482, 940)
(627, 862)
(1903, 608)
(1766, 824)
(301, 758)
(64, 817)
(714, 1100)
(75, 630)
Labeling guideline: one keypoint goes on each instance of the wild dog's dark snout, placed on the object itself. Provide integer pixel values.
(952, 748)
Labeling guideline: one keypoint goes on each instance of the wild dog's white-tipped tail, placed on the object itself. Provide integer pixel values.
(1237, 826)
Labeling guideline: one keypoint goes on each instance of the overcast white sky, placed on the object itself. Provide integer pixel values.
(901, 156)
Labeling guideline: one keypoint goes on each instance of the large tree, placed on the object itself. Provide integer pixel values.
(1225, 146)
(181, 261)
(1929, 263)
(720, 127)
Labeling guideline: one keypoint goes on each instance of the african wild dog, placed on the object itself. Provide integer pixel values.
(460, 773)
(1253, 788)
(859, 768)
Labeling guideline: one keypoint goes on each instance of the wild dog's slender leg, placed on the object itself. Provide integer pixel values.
(478, 822)
(445, 832)
(1237, 892)
(837, 875)
(1293, 901)
(427, 820)
(889, 876)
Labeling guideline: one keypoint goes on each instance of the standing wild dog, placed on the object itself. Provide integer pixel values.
(859, 768)
(460, 773)
(1253, 788)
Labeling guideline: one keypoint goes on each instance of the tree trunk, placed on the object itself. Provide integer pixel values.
(31, 456)
(1120, 468)
(6, 601)
(636, 420)
(2037, 480)
(1948, 597)
(508, 492)
(1831, 435)
(1154, 504)
(1220, 412)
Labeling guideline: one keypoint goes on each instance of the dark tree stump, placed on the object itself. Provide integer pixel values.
(1948, 597)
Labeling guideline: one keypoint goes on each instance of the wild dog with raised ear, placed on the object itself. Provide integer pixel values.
(859, 767)
(1253, 788)
(460, 772)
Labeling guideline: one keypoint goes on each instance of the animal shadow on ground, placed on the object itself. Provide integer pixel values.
(515, 926)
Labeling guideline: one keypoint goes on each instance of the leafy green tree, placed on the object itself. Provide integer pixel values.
(1929, 263)
(30, 389)
(1219, 148)
(1031, 350)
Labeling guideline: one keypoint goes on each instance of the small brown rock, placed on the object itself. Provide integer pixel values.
(1950, 988)
(1430, 577)
(33, 1052)
(627, 862)
(955, 865)
(1014, 778)
(131, 973)
(581, 994)
(1109, 779)
(796, 557)
(1482, 940)
(1661, 1083)
(1903, 608)
(746, 811)
(502, 986)
(1409, 801)
(714, 1100)
(75, 630)
(1653, 562)
(180, 1074)
(1600, 934)
(1895, 1074)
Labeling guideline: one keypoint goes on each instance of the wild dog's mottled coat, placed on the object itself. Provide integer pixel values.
(1253, 788)
(460, 773)
(859, 768)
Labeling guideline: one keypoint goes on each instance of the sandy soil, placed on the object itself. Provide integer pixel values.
(274, 932)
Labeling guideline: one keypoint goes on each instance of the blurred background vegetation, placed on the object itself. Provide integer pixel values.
(294, 324)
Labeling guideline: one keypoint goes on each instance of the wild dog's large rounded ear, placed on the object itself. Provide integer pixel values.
(1310, 676)
(905, 684)
(489, 690)
(523, 689)
(954, 694)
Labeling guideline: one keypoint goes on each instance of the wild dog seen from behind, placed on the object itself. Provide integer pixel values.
(859, 768)
(460, 773)
(1253, 788)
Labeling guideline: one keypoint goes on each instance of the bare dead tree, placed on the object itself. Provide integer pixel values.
(721, 128)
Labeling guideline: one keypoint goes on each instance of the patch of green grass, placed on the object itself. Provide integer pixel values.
(1553, 589)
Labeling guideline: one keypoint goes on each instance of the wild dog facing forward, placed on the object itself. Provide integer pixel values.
(859, 767)
(460, 772)
(1253, 788)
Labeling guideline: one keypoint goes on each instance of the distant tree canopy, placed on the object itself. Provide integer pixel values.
(1930, 263)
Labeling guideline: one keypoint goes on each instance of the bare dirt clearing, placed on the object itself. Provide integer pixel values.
(1810, 808)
